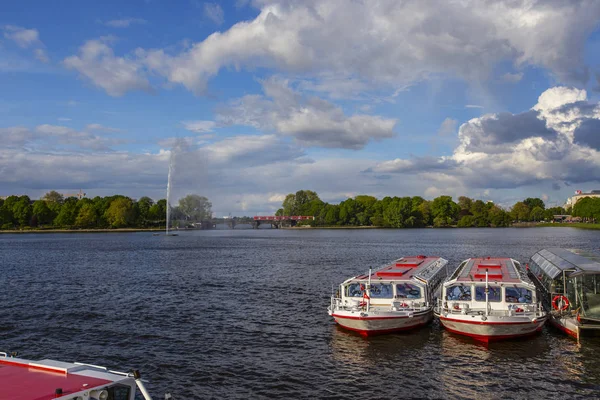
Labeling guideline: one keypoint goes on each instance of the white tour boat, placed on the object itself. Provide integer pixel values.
(490, 299)
(569, 281)
(399, 296)
(22, 379)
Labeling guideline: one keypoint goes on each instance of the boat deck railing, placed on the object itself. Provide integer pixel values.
(512, 310)
(338, 304)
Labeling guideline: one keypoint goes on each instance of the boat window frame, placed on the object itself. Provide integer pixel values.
(391, 291)
(519, 288)
(499, 288)
(347, 290)
(470, 288)
(583, 302)
(413, 286)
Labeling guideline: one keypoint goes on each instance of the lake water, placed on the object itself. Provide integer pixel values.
(243, 314)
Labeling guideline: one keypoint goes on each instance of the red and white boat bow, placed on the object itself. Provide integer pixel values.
(22, 379)
(398, 296)
(490, 299)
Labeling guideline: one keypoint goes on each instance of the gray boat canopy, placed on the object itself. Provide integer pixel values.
(556, 260)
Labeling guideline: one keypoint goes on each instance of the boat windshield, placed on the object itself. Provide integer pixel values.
(458, 292)
(408, 291)
(354, 290)
(493, 295)
(518, 295)
(381, 291)
(588, 291)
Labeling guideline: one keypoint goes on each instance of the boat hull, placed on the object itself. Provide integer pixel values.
(369, 324)
(492, 329)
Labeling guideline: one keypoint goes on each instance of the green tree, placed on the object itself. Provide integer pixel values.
(332, 215)
(67, 214)
(53, 197)
(144, 205)
(7, 220)
(534, 202)
(498, 217)
(120, 213)
(425, 210)
(549, 213)
(444, 210)
(195, 208)
(587, 208)
(520, 212)
(42, 212)
(22, 210)
(465, 203)
(537, 214)
(87, 217)
(466, 222)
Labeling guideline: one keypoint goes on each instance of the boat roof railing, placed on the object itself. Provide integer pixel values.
(554, 261)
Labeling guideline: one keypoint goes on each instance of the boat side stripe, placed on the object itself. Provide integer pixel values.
(460, 321)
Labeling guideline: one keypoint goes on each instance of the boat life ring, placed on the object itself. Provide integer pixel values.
(563, 300)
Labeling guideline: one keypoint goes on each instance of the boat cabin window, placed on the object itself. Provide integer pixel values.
(381, 291)
(588, 291)
(458, 292)
(517, 295)
(119, 392)
(408, 291)
(494, 294)
(354, 290)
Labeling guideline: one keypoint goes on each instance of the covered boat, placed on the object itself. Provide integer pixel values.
(490, 299)
(569, 281)
(399, 296)
(22, 379)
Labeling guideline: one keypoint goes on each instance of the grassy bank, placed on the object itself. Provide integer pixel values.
(580, 225)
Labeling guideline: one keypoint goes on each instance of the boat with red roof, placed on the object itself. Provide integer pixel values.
(398, 296)
(22, 379)
(490, 299)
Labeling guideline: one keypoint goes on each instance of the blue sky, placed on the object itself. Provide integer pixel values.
(256, 99)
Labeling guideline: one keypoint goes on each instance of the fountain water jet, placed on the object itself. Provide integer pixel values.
(171, 168)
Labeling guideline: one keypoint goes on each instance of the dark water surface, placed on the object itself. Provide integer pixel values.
(242, 314)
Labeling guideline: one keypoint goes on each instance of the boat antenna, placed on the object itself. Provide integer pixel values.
(369, 290)
(487, 294)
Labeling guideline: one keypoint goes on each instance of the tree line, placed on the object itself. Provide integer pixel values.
(55, 211)
(413, 212)
(588, 209)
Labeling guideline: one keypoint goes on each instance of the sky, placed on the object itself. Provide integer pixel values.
(252, 100)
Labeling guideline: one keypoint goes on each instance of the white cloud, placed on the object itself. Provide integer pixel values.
(57, 137)
(448, 127)
(214, 12)
(116, 75)
(385, 45)
(124, 22)
(199, 126)
(556, 141)
(473, 106)
(27, 38)
(311, 121)
(512, 78)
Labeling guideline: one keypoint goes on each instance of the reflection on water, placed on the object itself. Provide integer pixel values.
(354, 352)
(242, 314)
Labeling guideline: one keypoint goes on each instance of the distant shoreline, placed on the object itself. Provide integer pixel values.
(117, 230)
(130, 230)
